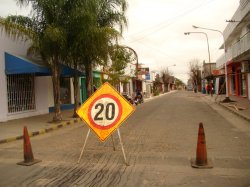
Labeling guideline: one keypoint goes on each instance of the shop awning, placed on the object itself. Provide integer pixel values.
(20, 65)
(67, 71)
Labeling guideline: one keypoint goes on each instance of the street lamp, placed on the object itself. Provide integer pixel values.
(136, 66)
(188, 33)
(170, 66)
(227, 99)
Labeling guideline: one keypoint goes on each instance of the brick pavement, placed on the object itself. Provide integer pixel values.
(13, 130)
(239, 105)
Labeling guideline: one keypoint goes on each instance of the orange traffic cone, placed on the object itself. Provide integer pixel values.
(201, 160)
(28, 154)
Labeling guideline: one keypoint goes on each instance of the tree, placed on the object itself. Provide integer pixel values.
(73, 31)
(157, 85)
(109, 15)
(47, 36)
(195, 74)
(179, 83)
(166, 78)
(91, 35)
(77, 23)
(120, 57)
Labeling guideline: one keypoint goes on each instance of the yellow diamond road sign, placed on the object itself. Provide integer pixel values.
(105, 110)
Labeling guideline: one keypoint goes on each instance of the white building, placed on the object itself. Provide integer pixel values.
(237, 42)
(26, 85)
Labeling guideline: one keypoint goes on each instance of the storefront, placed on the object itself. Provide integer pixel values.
(238, 79)
(22, 77)
(219, 81)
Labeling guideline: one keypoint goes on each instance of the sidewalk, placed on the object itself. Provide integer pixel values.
(239, 106)
(13, 130)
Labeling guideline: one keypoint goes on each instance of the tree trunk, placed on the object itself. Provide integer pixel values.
(89, 79)
(76, 91)
(56, 89)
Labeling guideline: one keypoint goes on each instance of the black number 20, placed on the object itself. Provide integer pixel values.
(109, 111)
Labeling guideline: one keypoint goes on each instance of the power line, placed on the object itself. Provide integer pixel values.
(158, 50)
(169, 22)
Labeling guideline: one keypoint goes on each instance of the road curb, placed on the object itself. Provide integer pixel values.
(42, 131)
(228, 109)
(234, 112)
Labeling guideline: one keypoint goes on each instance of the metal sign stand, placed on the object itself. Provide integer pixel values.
(113, 143)
(119, 135)
(125, 160)
(83, 146)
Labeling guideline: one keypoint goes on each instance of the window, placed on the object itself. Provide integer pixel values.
(20, 91)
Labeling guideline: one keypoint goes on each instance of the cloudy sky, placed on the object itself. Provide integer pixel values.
(156, 30)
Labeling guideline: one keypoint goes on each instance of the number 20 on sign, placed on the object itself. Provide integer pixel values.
(105, 110)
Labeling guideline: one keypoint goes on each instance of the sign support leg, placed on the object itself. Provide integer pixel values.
(83, 146)
(125, 160)
(113, 142)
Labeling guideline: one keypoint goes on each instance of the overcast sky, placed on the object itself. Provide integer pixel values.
(156, 30)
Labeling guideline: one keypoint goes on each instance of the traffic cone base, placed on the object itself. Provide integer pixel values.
(24, 163)
(28, 154)
(208, 165)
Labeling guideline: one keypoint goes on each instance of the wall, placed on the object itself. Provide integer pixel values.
(41, 87)
(41, 94)
(14, 47)
(240, 13)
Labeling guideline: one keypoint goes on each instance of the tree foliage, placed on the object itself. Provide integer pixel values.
(167, 77)
(157, 85)
(47, 37)
(195, 73)
(73, 32)
(120, 57)
(179, 83)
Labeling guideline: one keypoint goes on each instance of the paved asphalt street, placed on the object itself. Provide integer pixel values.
(159, 139)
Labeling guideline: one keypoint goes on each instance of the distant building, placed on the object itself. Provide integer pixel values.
(207, 75)
(207, 70)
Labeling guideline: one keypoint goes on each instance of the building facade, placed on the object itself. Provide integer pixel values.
(237, 42)
(26, 84)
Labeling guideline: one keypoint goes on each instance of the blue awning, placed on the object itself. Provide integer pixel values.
(67, 71)
(20, 65)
